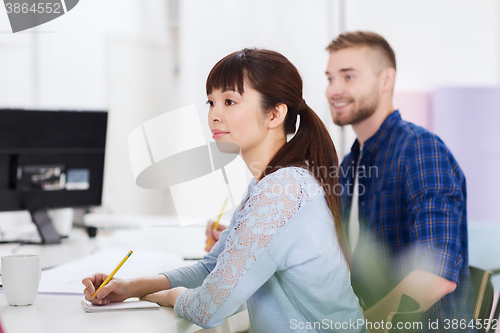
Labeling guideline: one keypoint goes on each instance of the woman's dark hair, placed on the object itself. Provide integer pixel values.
(279, 82)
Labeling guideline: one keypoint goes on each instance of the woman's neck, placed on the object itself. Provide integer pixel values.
(257, 158)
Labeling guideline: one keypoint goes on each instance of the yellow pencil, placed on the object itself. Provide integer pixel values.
(112, 273)
(216, 224)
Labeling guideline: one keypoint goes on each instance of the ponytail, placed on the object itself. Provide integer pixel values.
(312, 148)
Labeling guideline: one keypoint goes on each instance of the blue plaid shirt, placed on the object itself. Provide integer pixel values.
(412, 215)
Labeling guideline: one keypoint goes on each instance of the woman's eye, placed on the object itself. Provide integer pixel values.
(210, 103)
(229, 102)
(349, 77)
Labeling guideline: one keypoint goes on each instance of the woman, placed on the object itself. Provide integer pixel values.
(284, 251)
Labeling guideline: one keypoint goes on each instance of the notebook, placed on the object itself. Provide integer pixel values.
(120, 306)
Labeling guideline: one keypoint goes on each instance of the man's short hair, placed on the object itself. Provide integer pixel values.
(364, 39)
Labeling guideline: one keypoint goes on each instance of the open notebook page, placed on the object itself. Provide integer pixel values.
(120, 306)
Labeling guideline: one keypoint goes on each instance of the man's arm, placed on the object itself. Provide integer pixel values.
(424, 287)
(435, 204)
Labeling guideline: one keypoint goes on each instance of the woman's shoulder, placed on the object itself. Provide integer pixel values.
(291, 173)
(290, 181)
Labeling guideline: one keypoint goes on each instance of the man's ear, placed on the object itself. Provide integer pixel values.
(277, 115)
(388, 79)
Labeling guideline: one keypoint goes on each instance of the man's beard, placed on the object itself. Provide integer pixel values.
(367, 106)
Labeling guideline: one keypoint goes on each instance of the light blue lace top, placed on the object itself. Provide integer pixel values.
(280, 254)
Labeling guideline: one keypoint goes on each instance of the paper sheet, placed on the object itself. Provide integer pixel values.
(120, 306)
(67, 278)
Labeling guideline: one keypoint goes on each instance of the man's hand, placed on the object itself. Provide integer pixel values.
(213, 234)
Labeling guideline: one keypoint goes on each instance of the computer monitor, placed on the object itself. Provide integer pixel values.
(51, 159)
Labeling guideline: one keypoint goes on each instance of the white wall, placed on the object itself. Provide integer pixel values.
(16, 66)
(66, 63)
(70, 52)
(437, 43)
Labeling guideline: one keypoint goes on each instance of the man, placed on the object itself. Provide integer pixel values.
(406, 220)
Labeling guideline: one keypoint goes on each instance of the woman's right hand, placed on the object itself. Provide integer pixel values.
(115, 291)
(213, 234)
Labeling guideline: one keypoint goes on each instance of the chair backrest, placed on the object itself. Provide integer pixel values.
(408, 318)
(483, 293)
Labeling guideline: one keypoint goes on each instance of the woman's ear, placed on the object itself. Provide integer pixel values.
(278, 115)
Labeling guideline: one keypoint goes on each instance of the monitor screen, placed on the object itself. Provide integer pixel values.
(51, 159)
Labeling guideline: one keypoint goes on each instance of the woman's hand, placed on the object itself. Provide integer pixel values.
(164, 297)
(213, 234)
(115, 291)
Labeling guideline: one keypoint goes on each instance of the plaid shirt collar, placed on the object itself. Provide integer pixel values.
(374, 143)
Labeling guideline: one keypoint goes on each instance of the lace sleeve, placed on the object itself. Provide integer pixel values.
(244, 266)
(194, 275)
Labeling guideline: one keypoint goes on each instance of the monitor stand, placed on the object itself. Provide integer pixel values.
(45, 228)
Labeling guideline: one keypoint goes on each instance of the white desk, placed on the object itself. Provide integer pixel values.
(64, 314)
(156, 233)
(53, 313)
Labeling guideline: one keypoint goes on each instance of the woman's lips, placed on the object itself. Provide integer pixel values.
(219, 134)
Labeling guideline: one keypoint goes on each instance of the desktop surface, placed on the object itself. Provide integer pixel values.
(53, 313)
(60, 311)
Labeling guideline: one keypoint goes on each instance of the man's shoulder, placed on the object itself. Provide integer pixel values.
(413, 132)
(419, 144)
(410, 136)
(405, 136)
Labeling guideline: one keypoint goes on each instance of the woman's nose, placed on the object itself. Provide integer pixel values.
(214, 114)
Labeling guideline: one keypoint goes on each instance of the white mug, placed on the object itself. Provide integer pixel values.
(62, 220)
(21, 275)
